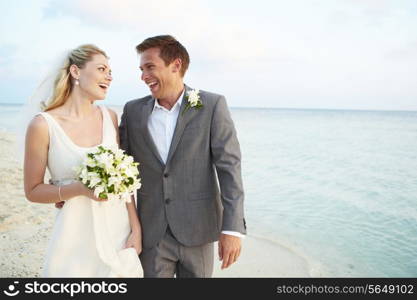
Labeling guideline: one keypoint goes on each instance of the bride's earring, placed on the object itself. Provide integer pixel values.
(77, 82)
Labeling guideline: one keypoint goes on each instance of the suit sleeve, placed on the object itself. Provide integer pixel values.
(123, 134)
(225, 150)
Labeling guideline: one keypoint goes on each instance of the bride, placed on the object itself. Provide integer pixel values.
(91, 237)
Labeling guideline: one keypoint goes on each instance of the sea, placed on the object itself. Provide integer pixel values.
(337, 187)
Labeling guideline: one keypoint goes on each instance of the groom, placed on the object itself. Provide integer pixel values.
(189, 156)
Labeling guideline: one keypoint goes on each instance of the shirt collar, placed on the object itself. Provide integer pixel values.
(177, 103)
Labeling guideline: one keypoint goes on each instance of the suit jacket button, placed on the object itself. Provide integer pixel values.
(166, 175)
(167, 200)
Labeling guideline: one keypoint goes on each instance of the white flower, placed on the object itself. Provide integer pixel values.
(119, 153)
(193, 97)
(94, 180)
(110, 172)
(137, 186)
(114, 180)
(128, 159)
(105, 160)
(83, 175)
(90, 162)
(130, 172)
(98, 190)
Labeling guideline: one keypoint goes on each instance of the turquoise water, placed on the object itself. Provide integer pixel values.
(338, 187)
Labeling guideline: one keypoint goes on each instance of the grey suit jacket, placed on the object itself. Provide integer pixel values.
(184, 193)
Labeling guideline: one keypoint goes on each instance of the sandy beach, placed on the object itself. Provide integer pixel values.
(25, 228)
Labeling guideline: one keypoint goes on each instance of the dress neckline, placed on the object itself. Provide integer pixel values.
(70, 140)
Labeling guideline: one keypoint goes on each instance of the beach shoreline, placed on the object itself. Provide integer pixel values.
(25, 229)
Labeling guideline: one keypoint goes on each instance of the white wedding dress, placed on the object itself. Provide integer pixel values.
(88, 237)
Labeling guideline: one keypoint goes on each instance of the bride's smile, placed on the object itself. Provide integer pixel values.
(94, 78)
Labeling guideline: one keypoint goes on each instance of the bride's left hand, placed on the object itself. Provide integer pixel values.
(134, 241)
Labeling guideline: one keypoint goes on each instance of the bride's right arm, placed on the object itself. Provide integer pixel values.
(36, 157)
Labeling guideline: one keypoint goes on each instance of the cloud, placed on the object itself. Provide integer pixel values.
(190, 21)
(300, 52)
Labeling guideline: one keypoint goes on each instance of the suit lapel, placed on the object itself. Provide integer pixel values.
(146, 112)
(183, 119)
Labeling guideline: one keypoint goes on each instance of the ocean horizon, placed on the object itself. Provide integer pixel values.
(256, 107)
(337, 187)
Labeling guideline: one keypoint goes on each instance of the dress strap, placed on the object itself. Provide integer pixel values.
(51, 125)
(106, 114)
(47, 118)
(109, 132)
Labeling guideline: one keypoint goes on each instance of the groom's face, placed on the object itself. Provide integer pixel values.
(159, 77)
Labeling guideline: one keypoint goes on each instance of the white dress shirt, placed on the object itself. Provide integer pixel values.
(161, 125)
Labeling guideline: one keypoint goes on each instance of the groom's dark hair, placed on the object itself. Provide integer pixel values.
(170, 49)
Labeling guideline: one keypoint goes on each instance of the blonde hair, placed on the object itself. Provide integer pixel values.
(63, 82)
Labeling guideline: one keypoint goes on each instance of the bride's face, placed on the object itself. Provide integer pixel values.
(95, 77)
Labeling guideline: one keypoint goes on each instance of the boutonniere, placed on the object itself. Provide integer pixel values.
(193, 99)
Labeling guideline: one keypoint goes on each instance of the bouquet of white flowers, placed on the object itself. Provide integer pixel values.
(111, 173)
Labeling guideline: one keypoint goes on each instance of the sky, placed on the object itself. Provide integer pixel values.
(329, 54)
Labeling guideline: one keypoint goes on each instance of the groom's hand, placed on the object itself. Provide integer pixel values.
(229, 249)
